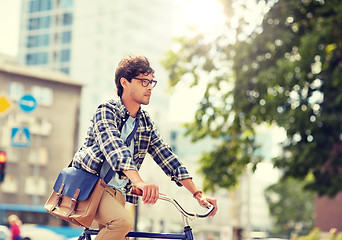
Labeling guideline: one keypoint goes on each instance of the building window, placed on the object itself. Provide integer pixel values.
(29, 59)
(39, 23)
(67, 19)
(41, 127)
(10, 184)
(35, 186)
(33, 23)
(66, 37)
(65, 70)
(43, 95)
(44, 22)
(13, 152)
(65, 55)
(38, 41)
(174, 135)
(16, 90)
(34, 6)
(174, 148)
(39, 5)
(37, 58)
(6, 140)
(31, 41)
(38, 156)
(67, 4)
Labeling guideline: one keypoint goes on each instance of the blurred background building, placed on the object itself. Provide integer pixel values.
(39, 138)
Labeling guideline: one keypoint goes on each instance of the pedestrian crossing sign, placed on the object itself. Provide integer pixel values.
(20, 137)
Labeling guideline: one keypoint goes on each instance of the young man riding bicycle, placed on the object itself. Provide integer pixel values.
(119, 136)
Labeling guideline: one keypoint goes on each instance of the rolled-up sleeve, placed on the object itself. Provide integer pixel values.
(108, 138)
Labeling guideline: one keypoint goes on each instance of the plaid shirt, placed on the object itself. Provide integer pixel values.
(104, 143)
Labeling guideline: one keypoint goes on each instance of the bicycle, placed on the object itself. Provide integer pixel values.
(186, 216)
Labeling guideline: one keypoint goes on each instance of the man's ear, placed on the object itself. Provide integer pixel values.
(123, 82)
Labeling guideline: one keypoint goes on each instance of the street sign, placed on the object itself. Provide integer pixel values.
(27, 103)
(20, 137)
(5, 104)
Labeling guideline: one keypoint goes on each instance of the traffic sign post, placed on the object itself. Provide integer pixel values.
(27, 103)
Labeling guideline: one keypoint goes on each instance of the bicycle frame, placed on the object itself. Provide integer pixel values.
(187, 235)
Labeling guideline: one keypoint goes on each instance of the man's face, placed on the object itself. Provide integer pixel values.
(140, 88)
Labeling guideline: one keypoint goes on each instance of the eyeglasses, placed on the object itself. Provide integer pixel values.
(145, 82)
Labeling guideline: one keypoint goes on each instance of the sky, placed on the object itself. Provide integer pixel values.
(9, 26)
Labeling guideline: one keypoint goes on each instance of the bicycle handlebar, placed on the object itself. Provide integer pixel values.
(185, 213)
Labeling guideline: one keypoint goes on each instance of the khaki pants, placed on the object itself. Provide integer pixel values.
(112, 218)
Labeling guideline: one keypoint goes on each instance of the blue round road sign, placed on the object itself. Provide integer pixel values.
(28, 103)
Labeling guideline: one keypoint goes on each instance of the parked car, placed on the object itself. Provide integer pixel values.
(37, 233)
(4, 233)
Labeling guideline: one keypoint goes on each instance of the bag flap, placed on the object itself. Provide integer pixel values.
(74, 178)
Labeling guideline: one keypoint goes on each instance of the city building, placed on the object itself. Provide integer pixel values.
(46, 34)
(253, 208)
(38, 132)
(328, 213)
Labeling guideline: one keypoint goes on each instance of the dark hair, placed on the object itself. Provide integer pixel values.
(130, 67)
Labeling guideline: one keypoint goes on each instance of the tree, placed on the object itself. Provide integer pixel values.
(290, 207)
(285, 73)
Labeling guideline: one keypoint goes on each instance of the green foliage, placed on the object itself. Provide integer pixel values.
(316, 234)
(286, 73)
(290, 207)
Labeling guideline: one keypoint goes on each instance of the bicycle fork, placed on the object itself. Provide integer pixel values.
(188, 233)
(187, 229)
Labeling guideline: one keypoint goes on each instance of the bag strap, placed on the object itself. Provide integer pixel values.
(74, 202)
(59, 197)
(128, 141)
(131, 135)
(110, 173)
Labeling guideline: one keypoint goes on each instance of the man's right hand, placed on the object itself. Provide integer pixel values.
(150, 192)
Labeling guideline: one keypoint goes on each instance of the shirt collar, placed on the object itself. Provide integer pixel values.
(124, 112)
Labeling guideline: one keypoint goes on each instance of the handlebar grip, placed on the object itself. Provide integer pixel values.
(210, 210)
(137, 191)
